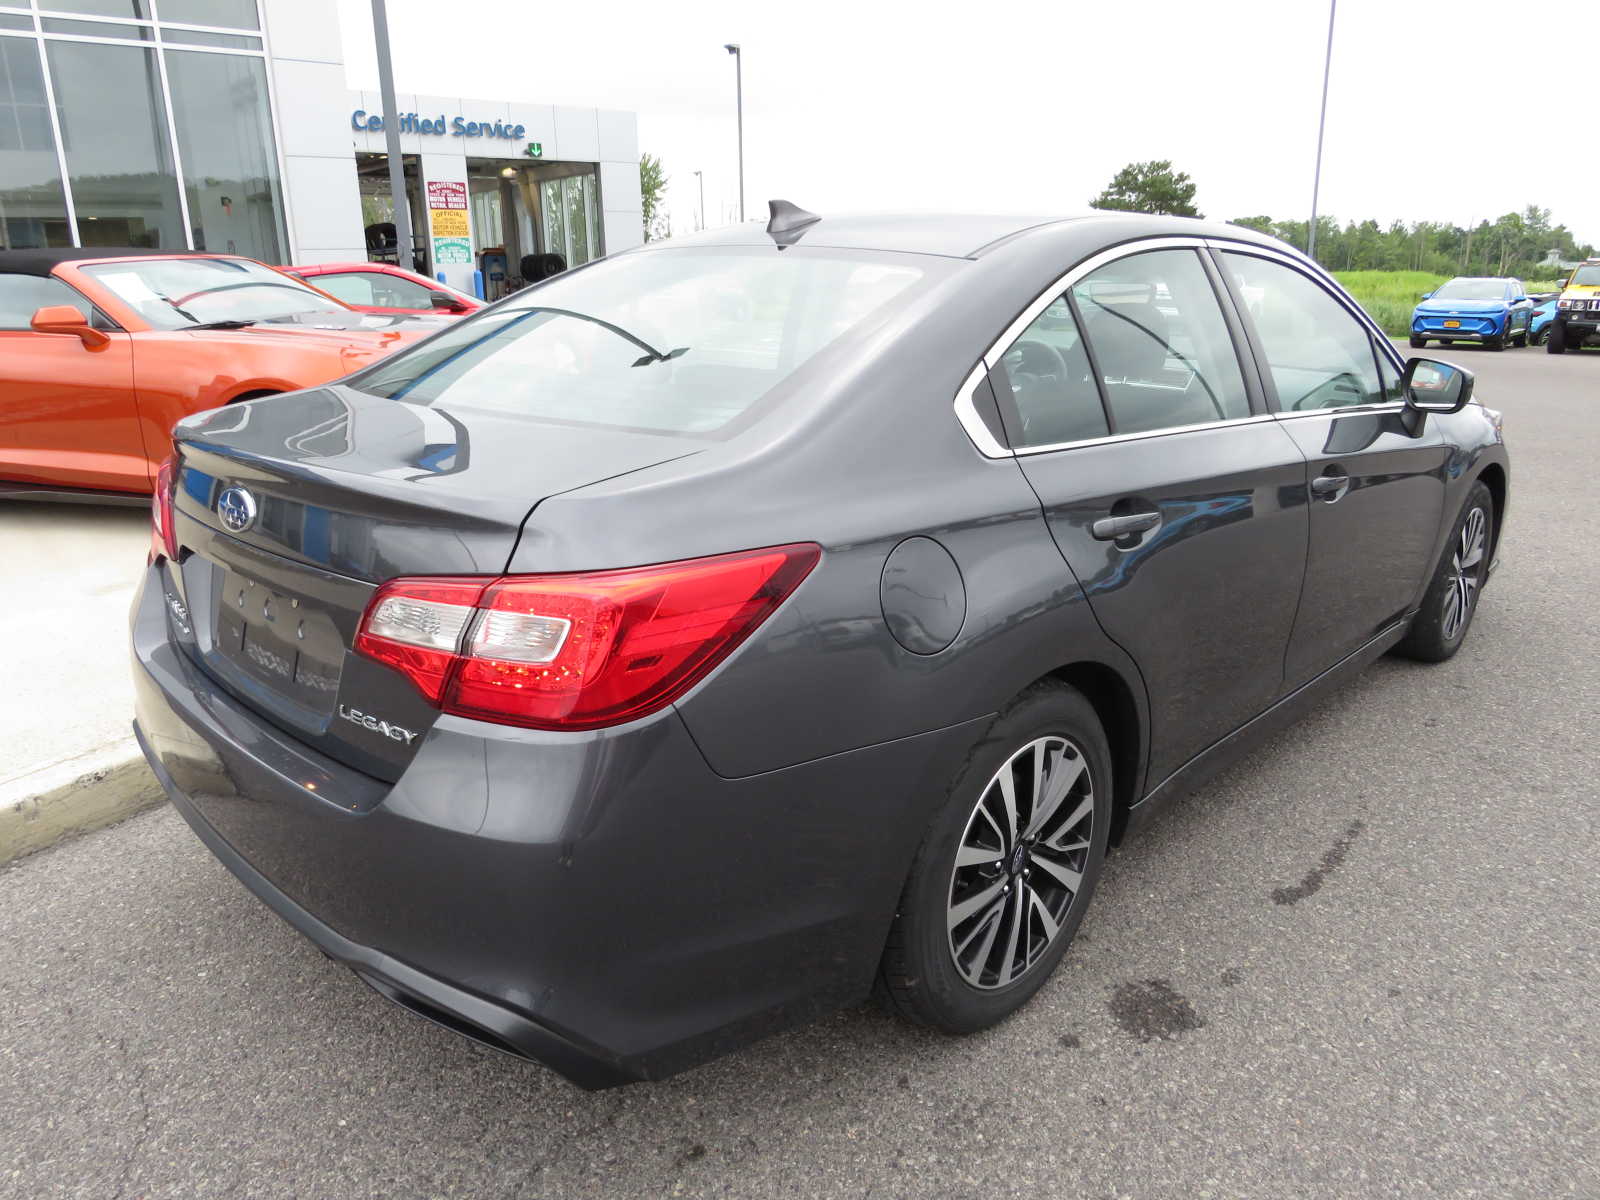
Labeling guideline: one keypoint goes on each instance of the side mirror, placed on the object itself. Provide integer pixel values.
(1425, 295)
(63, 318)
(1520, 300)
(446, 301)
(1431, 386)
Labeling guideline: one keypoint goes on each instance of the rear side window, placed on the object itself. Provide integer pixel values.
(373, 289)
(23, 295)
(1320, 355)
(671, 341)
(1047, 375)
(1159, 342)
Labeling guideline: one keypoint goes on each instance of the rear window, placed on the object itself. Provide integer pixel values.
(672, 341)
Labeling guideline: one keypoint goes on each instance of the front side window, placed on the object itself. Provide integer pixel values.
(182, 293)
(374, 289)
(675, 341)
(1159, 343)
(1319, 355)
(23, 295)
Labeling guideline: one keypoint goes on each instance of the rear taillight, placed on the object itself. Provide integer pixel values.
(576, 651)
(163, 538)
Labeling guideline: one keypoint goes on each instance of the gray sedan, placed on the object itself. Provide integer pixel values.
(710, 636)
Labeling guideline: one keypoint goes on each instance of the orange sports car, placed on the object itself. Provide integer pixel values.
(102, 351)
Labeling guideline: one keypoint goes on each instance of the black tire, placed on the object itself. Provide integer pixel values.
(919, 977)
(1495, 343)
(1536, 337)
(1418, 343)
(1519, 340)
(1556, 342)
(1433, 636)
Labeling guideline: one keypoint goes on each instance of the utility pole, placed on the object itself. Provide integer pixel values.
(702, 181)
(738, 77)
(1316, 180)
(404, 249)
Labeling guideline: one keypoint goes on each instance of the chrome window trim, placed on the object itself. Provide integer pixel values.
(967, 415)
(989, 447)
(1047, 297)
(1346, 411)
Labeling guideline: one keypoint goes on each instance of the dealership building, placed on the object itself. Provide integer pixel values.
(228, 126)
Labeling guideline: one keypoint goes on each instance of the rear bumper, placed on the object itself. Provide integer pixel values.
(603, 902)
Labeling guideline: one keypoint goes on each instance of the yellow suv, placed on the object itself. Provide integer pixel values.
(1578, 310)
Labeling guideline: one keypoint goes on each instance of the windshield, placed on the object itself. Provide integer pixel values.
(180, 293)
(673, 341)
(1472, 289)
(1586, 276)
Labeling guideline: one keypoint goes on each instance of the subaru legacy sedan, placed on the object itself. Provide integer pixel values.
(708, 637)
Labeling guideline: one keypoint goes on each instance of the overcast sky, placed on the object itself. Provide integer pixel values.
(991, 105)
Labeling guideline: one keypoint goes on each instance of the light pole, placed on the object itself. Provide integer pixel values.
(1316, 179)
(404, 251)
(738, 83)
(701, 180)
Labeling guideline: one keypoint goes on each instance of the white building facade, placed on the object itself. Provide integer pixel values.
(228, 126)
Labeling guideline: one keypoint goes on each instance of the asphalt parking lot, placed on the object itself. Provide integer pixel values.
(1362, 963)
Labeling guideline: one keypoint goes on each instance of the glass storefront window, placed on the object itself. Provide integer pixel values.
(571, 222)
(99, 29)
(101, 8)
(33, 207)
(229, 14)
(230, 167)
(119, 161)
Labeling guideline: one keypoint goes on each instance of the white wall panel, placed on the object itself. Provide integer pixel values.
(303, 29)
(577, 135)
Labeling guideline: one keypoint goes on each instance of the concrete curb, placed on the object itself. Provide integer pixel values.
(40, 808)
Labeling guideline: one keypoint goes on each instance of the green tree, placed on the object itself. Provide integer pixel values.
(1149, 187)
(652, 183)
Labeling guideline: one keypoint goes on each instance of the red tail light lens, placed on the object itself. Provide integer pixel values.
(577, 651)
(163, 538)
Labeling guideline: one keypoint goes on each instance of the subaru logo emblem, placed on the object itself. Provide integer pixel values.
(237, 508)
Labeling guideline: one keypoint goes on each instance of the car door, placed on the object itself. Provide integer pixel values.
(1177, 502)
(67, 411)
(1376, 489)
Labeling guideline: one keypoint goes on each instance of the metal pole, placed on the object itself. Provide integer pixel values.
(738, 77)
(702, 180)
(405, 252)
(1316, 182)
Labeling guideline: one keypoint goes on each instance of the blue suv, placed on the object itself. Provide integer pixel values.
(1491, 311)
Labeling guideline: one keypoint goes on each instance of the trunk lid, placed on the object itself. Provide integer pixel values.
(291, 510)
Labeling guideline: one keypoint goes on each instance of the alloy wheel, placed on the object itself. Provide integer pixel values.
(1021, 862)
(1466, 573)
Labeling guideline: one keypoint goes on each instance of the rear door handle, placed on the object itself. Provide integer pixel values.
(1330, 486)
(1108, 529)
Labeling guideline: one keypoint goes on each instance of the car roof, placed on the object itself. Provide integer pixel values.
(42, 262)
(948, 234)
(952, 235)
